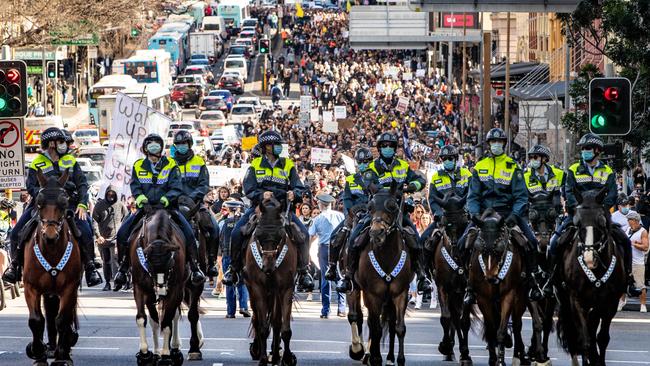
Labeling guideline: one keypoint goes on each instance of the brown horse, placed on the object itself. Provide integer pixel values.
(592, 280)
(451, 278)
(269, 274)
(496, 271)
(52, 272)
(384, 274)
(160, 277)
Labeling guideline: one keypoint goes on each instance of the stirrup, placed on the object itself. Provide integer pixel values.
(12, 274)
(345, 285)
(469, 298)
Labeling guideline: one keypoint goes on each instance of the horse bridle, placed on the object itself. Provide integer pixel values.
(278, 252)
(58, 224)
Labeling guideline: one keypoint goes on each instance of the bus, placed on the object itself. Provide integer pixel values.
(182, 18)
(152, 95)
(150, 66)
(172, 43)
(234, 12)
(181, 28)
(109, 84)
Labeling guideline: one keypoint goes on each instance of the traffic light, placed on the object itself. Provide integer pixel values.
(13, 89)
(265, 45)
(51, 69)
(610, 106)
(60, 69)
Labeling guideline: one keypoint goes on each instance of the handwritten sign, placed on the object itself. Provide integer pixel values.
(321, 156)
(247, 143)
(220, 175)
(420, 73)
(314, 115)
(402, 104)
(305, 103)
(407, 76)
(131, 122)
(340, 112)
(331, 127)
(328, 116)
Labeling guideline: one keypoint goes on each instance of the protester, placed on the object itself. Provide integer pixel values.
(639, 239)
(107, 215)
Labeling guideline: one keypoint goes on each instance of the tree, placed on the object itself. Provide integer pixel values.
(578, 122)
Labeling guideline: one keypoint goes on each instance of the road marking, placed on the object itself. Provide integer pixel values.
(217, 364)
(97, 348)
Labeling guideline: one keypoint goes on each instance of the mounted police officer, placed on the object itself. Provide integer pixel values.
(354, 196)
(271, 174)
(453, 179)
(498, 183)
(155, 179)
(592, 174)
(382, 173)
(53, 161)
(195, 184)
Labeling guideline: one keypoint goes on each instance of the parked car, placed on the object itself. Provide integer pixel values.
(194, 127)
(212, 120)
(95, 153)
(226, 95)
(85, 163)
(187, 94)
(211, 104)
(256, 102)
(237, 64)
(232, 82)
(240, 113)
(83, 137)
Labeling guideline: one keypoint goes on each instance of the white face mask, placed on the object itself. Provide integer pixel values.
(62, 148)
(535, 164)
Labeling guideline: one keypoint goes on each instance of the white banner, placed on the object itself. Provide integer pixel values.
(331, 127)
(349, 163)
(379, 88)
(131, 122)
(321, 156)
(417, 147)
(340, 112)
(314, 115)
(305, 104)
(220, 175)
(407, 76)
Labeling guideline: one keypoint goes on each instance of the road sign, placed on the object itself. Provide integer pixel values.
(12, 157)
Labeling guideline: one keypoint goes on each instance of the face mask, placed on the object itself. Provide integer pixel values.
(449, 164)
(362, 167)
(111, 199)
(277, 150)
(625, 210)
(535, 164)
(183, 149)
(387, 152)
(154, 148)
(587, 155)
(496, 148)
(62, 148)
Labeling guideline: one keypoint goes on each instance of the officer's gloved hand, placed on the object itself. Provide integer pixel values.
(164, 201)
(185, 201)
(511, 221)
(141, 200)
(411, 187)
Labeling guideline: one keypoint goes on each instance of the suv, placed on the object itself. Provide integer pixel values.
(236, 64)
(248, 42)
(239, 50)
(254, 101)
(211, 104)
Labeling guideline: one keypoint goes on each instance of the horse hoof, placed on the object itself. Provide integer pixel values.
(365, 359)
(176, 356)
(547, 363)
(73, 339)
(289, 359)
(357, 356)
(507, 341)
(449, 358)
(145, 359)
(195, 356)
(62, 363)
(165, 361)
(36, 352)
(516, 361)
(390, 363)
(466, 362)
(254, 351)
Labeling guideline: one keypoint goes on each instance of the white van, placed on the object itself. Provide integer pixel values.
(215, 23)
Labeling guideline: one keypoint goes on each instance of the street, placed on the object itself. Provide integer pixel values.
(109, 336)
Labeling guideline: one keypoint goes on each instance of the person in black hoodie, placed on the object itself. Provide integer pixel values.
(107, 217)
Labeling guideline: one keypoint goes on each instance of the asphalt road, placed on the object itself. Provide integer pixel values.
(109, 336)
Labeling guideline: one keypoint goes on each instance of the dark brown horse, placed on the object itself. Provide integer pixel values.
(451, 278)
(160, 277)
(269, 274)
(496, 271)
(384, 274)
(52, 272)
(592, 280)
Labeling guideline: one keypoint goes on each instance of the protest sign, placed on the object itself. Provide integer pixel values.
(407, 76)
(305, 104)
(303, 119)
(340, 112)
(392, 72)
(220, 175)
(131, 122)
(420, 73)
(314, 115)
(248, 143)
(330, 127)
(328, 116)
(321, 156)
(402, 104)
(379, 88)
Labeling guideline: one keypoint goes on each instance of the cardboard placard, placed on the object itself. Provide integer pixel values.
(314, 115)
(340, 112)
(331, 127)
(321, 156)
(247, 143)
(402, 104)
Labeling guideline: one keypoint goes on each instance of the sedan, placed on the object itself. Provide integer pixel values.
(187, 94)
(240, 113)
(211, 104)
(211, 120)
(226, 95)
(233, 83)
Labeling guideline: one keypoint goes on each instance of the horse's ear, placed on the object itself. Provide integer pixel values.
(477, 221)
(600, 197)
(42, 181)
(64, 178)
(578, 195)
(463, 201)
(440, 201)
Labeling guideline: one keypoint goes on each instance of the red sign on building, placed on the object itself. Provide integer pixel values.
(458, 20)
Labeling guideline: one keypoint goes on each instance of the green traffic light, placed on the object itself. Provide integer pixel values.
(3, 104)
(598, 121)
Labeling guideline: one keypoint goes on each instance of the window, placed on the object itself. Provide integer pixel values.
(234, 64)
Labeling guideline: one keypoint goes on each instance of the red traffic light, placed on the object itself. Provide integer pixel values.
(611, 94)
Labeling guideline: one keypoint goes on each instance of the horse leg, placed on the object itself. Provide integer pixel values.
(603, 335)
(390, 357)
(548, 325)
(355, 318)
(446, 346)
(464, 322)
(519, 355)
(64, 324)
(373, 303)
(276, 320)
(262, 329)
(502, 333)
(400, 303)
(581, 322)
(175, 353)
(36, 348)
(143, 357)
(288, 357)
(51, 305)
(196, 340)
(536, 350)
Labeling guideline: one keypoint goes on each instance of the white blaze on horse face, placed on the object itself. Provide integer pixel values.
(356, 340)
(155, 332)
(144, 347)
(176, 339)
(589, 243)
(166, 333)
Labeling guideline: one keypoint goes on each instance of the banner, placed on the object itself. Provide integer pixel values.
(407, 76)
(331, 127)
(321, 156)
(349, 163)
(230, 135)
(340, 112)
(247, 143)
(221, 175)
(402, 104)
(419, 147)
(285, 151)
(420, 73)
(303, 119)
(328, 116)
(131, 122)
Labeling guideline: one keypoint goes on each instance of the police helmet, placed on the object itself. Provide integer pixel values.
(183, 136)
(152, 137)
(270, 138)
(590, 139)
(51, 134)
(68, 136)
(540, 150)
(496, 134)
(449, 151)
(362, 154)
(387, 137)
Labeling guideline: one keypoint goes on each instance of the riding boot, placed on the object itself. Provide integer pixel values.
(197, 277)
(92, 275)
(121, 276)
(231, 275)
(13, 273)
(423, 282)
(213, 271)
(352, 262)
(530, 260)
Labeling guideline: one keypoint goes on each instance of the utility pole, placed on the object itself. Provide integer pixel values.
(44, 76)
(506, 104)
(450, 59)
(567, 97)
(486, 100)
(464, 103)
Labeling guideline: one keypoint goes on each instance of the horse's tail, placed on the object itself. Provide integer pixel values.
(567, 333)
(474, 319)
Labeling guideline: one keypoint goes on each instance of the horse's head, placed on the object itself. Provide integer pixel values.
(542, 216)
(160, 246)
(385, 212)
(51, 202)
(270, 233)
(455, 217)
(592, 222)
(491, 243)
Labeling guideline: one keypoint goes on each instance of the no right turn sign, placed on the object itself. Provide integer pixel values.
(12, 154)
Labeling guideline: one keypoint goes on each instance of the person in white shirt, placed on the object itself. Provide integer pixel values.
(620, 216)
(639, 238)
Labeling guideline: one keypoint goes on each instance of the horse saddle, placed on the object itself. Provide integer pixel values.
(294, 231)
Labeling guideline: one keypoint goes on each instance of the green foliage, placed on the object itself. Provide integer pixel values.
(578, 122)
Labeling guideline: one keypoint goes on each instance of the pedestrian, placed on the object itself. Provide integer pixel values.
(231, 212)
(321, 230)
(223, 193)
(108, 214)
(639, 238)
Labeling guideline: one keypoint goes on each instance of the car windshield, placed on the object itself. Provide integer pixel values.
(199, 62)
(179, 126)
(198, 57)
(196, 71)
(242, 110)
(250, 23)
(211, 102)
(86, 133)
(234, 64)
(93, 176)
(93, 157)
(237, 50)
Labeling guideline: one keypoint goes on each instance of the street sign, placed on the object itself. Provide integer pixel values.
(82, 40)
(12, 157)
(514, 6)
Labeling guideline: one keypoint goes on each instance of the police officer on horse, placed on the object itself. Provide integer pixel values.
(155, 179)
(52, 161)
(268, 174)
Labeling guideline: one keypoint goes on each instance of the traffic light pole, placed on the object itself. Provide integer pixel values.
(44, 89)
